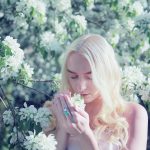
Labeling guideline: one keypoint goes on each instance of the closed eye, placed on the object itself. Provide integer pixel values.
(89, 78)
(74, 77)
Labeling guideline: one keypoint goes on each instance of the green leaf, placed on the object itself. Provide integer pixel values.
(5, 50)
(43, 52)
(2, 62)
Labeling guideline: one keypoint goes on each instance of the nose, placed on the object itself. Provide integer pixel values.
(81, 86)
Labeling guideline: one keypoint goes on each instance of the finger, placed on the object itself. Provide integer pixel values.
(68, 102)
(58, 108)
(74, 126)
(65, 108)
(81, 112)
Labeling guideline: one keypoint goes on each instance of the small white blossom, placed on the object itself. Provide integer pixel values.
(78, 101)
(137, 7)
(37, 7)
(132, 78)
(131, 24)
(81, 21)
(145, 46)
(1, 14)
(16, 136)
(144, 91)
(56, 83)
(8, 118)
(27, 112)
(12, 43)
(28, 70)
(43, 117)
(62, 5)
(12, 62)
(47, 38)
(40, 141)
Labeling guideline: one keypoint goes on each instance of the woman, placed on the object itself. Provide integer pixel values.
(108, 121)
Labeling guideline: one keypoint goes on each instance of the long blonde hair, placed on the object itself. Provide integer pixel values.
(106, 77)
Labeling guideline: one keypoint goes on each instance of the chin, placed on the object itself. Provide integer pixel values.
(88, 100)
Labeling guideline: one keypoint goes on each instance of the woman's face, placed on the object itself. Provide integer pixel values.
(80, 77)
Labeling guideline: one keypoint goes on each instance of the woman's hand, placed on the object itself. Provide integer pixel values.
(74, 120)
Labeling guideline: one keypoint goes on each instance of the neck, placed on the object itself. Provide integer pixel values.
(93, 108)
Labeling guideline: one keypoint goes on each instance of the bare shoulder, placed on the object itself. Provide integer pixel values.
(136, 111)
(137, 118)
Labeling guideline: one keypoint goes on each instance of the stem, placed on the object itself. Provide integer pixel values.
(13, 112)
(3, 102)
(41, 92)
(41, 80)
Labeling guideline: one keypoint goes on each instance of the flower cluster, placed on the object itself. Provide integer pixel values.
(145, 91)
(8, 118)
(135, 84)
(56, 82)
(32, 8)
(62, 5)
(78, 101)
(78, 23)
(40, 141)
(12, 61)
(132, 79)
(11, 57)
(40, 116)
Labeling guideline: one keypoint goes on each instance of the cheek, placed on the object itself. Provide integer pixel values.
(72, 83)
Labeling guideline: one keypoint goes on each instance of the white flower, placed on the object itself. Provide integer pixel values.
(8, 118)
(47, 38)
(90, 4)
(62, 5)
(56, 83)
(145, 90)
(114, 38)
(60, 30)
(14, 46)
(40, 141)
(145, 94)
(37, 7)
(28, 70)
(27, 112)
(43, 117)
(81, 21)
(138, 8)
(145, 46)
(12, 63)
(78, 101)
(1, 14)
(131, 24)
(132, 78)
(14, 135)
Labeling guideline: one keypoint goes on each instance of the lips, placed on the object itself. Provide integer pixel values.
(84, 94)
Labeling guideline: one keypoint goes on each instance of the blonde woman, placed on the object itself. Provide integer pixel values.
(108, 121)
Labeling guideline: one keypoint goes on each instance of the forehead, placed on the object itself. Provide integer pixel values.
(78, 63)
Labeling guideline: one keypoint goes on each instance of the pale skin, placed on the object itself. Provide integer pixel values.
(78, 135)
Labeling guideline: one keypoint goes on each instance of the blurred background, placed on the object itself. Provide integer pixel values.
(44, 28)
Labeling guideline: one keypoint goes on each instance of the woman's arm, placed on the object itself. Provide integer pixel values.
(87, 141)
(62, 139)
(138, 128)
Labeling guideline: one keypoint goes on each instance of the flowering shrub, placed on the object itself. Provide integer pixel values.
(44, 28)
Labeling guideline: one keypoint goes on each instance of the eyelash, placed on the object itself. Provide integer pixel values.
(77, 77)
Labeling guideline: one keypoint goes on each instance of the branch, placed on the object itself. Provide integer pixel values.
(3, 101)
(13, 112)
(41, 80)
(34, 89)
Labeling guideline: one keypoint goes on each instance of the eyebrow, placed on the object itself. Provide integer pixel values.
(89, 72)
